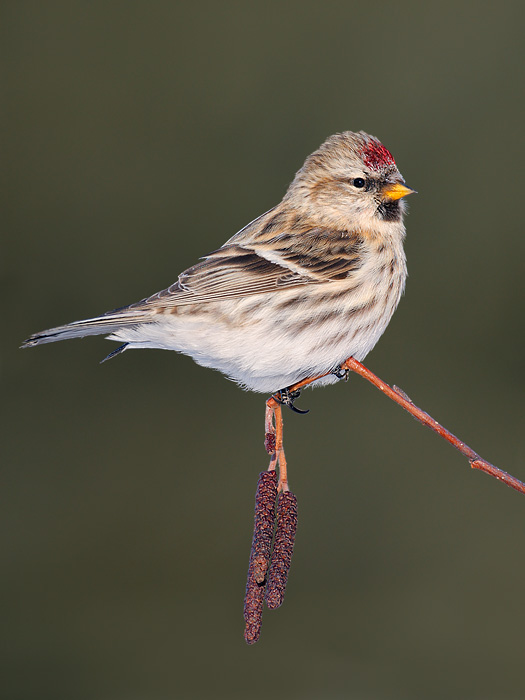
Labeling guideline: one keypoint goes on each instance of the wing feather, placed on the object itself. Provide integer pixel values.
(258, 266)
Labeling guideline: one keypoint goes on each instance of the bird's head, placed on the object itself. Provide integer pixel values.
(353, 181)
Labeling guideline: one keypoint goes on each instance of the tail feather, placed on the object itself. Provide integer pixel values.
(90, 326)
(114, 353)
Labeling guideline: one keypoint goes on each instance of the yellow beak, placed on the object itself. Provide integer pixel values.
(396, 191)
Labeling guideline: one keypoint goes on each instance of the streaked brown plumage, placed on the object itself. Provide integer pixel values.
(297, 291)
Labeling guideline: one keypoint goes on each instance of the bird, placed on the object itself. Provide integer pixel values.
(306, 285)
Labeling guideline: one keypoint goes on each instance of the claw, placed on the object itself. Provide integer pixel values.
(302, 412)
(287, 398)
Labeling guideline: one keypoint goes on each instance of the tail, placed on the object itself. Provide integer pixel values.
(108, 323)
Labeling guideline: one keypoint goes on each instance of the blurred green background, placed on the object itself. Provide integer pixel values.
(138, 136)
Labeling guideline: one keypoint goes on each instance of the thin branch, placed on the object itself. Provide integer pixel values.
(279, 562)
(399, 396)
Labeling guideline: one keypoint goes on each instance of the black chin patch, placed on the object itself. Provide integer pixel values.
(389, 211)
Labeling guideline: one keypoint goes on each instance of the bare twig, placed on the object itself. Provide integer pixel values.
(273, 440)
(287, 504)
(399, 396)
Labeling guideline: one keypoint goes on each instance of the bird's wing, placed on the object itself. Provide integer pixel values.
(286, 260)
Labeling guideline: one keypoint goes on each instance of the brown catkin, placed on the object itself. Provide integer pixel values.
(282, 549)
(263, 527)
(253, 610)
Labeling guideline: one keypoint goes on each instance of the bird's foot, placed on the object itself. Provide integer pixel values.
(287, 397)
(341, 373)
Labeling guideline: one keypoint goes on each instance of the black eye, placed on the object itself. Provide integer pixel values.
(358, 182)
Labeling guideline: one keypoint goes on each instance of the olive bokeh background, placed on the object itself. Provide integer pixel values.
(141, 135)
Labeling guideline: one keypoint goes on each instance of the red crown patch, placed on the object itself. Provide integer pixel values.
(376, 156)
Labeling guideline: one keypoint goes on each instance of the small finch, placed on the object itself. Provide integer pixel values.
(297, 291)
